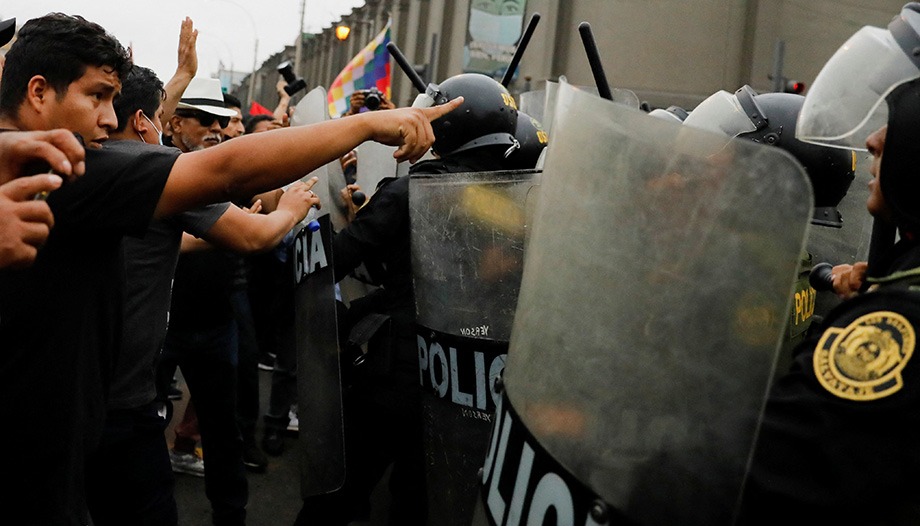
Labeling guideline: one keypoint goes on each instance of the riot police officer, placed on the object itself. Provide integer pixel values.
(770, 119)
(381, 399)
(839, 437)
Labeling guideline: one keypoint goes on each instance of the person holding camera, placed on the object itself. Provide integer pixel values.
(372, 99)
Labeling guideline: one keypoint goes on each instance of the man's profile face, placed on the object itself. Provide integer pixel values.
(190, 135)
(876, 201)
(86, 107)
(235, 128)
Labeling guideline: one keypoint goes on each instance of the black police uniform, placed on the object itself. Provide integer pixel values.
(840, 441)
(382, 404)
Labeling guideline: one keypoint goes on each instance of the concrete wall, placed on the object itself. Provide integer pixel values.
(667, 51)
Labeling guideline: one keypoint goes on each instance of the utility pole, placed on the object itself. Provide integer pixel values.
(298, 45)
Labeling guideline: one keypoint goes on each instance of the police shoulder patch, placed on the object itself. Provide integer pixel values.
(864, 360)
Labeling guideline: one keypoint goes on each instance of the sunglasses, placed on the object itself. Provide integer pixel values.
(206, 119)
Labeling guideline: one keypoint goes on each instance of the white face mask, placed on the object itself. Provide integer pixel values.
(499, 29)
(159, 131)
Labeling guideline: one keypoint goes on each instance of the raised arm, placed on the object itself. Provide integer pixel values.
(185, 70)
(284, 100)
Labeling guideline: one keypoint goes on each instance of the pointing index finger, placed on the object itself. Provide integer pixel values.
(435, 112)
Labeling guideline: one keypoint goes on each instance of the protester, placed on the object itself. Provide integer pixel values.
(64, 71)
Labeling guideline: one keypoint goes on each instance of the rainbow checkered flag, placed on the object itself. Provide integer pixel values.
(370, 68)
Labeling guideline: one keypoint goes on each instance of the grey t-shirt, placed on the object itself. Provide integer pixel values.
(150, 263)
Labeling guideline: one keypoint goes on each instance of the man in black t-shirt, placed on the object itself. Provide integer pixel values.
(130, 478)
(60, 319)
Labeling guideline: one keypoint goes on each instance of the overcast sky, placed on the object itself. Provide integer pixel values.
(227, 28)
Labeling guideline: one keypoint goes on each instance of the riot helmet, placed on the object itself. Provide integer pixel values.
(533, 140)
(674, 114)
(844, 105)
(770, 119)
(487, 117)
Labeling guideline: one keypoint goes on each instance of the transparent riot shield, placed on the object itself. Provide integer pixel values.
(319, 394)
(652, 304)
(533, 103)
(468, 235)
(620, 96)
(312, 109)
(375, 163)
(335, 206)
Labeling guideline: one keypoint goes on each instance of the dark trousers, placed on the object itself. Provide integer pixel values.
(284, 382)
(129, 479)
(277, 336)
(383, 426)
(247, 389)
(208, 359)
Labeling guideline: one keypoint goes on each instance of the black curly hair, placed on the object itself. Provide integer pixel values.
(58, 47)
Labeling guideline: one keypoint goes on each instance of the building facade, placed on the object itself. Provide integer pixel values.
(666, 51)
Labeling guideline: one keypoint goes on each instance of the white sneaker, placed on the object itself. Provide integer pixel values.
(293, 423)
(188, 463)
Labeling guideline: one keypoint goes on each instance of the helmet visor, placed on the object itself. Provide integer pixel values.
(720, 113)
(844, 106)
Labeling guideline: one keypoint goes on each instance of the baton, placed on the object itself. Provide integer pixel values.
(821, 277)
(406, 67)
(522, 46)
(594, 59)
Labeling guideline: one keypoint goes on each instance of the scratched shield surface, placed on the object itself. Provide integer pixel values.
(652, 304)
(468, 235)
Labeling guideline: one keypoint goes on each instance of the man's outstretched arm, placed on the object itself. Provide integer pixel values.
(260, 162)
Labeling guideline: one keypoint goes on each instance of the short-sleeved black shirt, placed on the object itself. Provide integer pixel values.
(60, 323)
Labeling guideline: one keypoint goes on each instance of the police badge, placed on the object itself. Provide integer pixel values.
(863, 362)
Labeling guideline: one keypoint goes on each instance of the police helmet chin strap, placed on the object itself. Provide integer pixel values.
(745, 96)
(492, 139)
(516, 145)
(759, 119)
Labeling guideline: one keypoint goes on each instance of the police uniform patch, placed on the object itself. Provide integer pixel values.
(863, 361)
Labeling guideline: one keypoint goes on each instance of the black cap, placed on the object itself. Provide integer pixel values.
(7, 30)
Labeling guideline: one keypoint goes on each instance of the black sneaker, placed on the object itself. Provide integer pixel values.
(254, 459)
(273, 442)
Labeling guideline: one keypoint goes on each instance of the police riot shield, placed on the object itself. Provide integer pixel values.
(620, 96)
(312, 109)
(319, 394)
(375, 163)
(533, 103)
(336, 204)
(468, 235)
(652, 304)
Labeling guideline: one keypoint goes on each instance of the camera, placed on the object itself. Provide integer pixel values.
(372, 98)
(294, 84)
